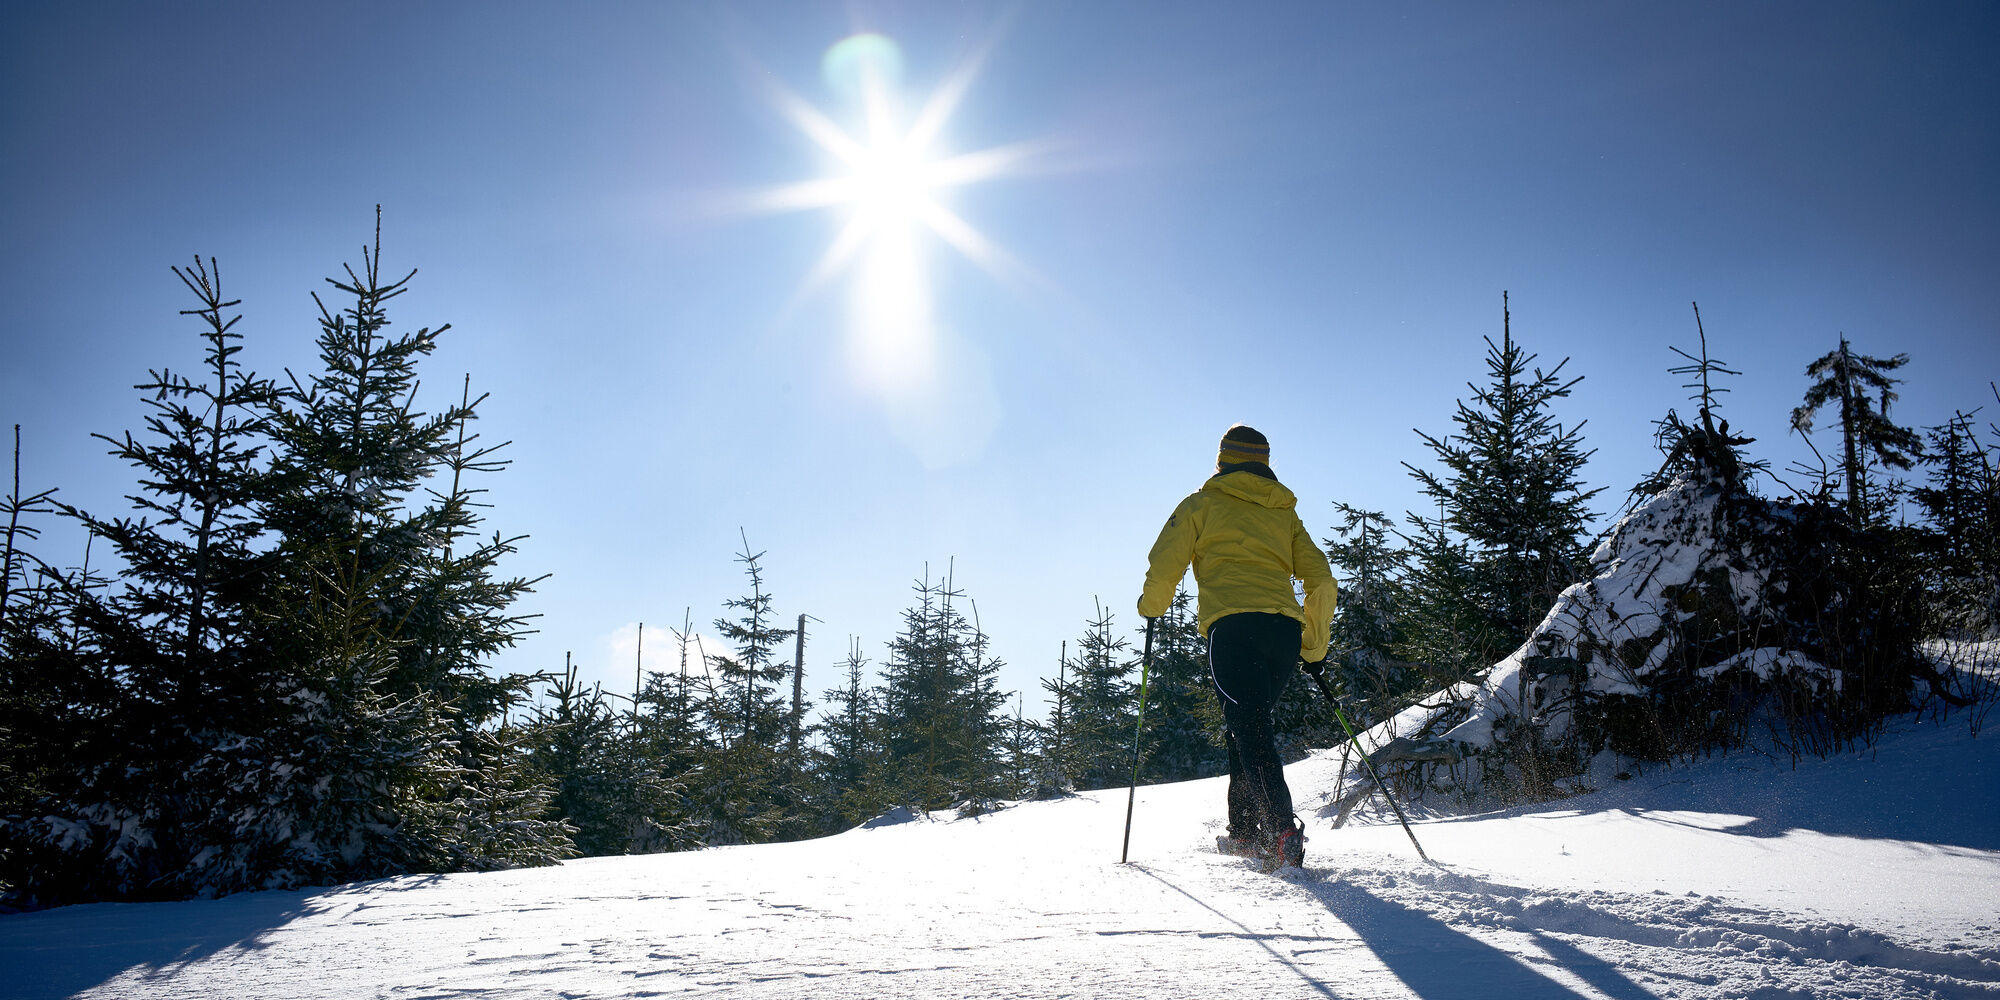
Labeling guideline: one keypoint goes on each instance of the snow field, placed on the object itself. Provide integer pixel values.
(1873, 875)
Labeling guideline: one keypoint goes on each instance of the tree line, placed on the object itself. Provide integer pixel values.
(284, 681)
(713, 750)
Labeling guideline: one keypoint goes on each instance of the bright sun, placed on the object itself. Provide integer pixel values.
(887, 180)
(891, 183)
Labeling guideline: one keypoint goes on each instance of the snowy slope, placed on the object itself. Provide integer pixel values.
(1872, 875)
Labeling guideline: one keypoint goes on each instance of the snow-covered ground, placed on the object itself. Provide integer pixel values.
(1872, 875)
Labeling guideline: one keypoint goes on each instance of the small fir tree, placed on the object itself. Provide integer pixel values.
(1863, 388)
(1367, 628)
(1022, 750)
(1183, 718)
(848, 787)
(1705, 444)
(33, 704)
(1962, 548)
(1058, 762)
(751, 793)
(1103, 705)
(670, 731)
(606, 786)
(748, 680)
(1447, 632)
(941, 708)
(1512, 488)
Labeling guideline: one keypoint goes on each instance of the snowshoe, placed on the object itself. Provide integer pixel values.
(1241, 847)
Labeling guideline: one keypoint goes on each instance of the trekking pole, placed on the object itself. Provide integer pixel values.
(1327, 689)
(1132, 794)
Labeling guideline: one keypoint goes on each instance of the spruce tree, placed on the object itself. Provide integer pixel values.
(848, 780)
(356, 457)
(192, 559)
(752, 710)
(354, 780)
(203, 479)
(287, 687)
(1447, 632)
(33, 705)
(1103, 706)
(1183, 718)
(1057, 761)
(606, 784)
(1022, 749)
(14, 557)
(1367, 628)
(169, 675)
(984, 783)
(1962, 548)
(1512, 488)
(669, 732)
(941, 708)
(748, 792)
(1867, 436)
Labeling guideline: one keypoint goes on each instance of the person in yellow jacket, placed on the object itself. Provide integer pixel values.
(1243, 534)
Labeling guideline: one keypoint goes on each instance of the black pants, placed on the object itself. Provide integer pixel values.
(1251, 657)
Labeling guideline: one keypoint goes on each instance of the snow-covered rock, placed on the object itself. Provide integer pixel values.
(1709, 608)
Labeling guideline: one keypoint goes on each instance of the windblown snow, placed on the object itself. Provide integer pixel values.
(1870, 875)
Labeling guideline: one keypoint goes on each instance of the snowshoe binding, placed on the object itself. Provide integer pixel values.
(1288, 849)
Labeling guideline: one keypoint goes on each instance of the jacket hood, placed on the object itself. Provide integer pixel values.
(1253, 488)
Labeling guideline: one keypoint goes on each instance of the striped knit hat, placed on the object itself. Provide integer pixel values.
(1241, 444)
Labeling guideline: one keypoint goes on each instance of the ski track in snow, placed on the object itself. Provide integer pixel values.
(1729, 878)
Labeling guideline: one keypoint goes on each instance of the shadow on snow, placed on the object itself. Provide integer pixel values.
(71, 949)
(1433, 959)
(1923, 783)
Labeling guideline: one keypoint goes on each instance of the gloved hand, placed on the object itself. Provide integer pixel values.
(1317, 668)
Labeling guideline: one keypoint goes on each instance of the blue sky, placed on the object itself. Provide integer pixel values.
(1300, 216)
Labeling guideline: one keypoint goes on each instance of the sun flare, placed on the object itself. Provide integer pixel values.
(888, 179)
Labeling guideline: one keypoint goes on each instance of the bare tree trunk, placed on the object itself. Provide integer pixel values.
(798, 685)
(1852, 467)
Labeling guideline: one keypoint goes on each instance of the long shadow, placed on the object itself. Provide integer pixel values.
(1368, 913)
(1593, 970)
(62, 952)
(1438, 962)
(1261, 939)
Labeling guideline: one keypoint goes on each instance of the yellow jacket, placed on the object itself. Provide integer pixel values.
(1244, 535)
